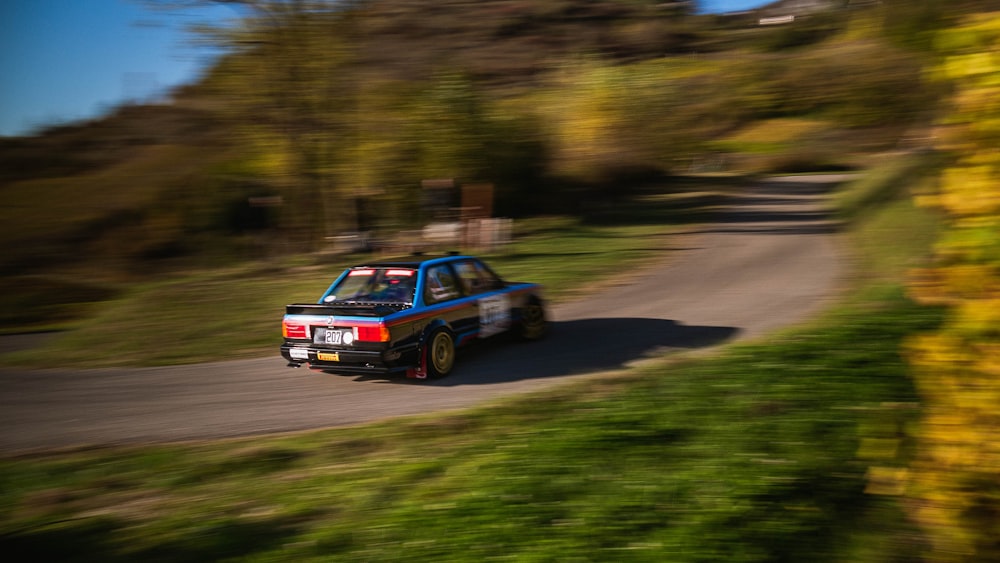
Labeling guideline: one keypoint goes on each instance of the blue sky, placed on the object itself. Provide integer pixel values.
(718, 6)
(67, 60)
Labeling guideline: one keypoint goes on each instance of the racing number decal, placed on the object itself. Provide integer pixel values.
(494, 315)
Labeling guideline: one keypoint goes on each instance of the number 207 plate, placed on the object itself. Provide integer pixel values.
(327, 336)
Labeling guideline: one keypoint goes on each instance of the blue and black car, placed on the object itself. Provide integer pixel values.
(408, 316)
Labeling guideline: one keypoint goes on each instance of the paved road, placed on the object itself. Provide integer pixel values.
(769, 261)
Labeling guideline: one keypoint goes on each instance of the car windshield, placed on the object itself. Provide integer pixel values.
(379, 285)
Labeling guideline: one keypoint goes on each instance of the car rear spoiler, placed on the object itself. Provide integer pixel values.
(350, 309)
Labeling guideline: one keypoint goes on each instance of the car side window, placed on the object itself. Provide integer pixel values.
(488, 279)
(440, 285)
(471, 277)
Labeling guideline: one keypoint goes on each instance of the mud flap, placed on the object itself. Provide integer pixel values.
(419, 372)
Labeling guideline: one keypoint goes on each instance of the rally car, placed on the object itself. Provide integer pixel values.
(408, 316)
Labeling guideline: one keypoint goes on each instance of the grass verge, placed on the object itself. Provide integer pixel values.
(894, 178)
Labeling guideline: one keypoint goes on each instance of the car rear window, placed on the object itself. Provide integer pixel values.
(379, 285)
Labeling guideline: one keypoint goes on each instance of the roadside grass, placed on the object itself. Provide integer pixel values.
(900, 176)
(752, 455)
(43, 303)
(236, 312)
(771, 136)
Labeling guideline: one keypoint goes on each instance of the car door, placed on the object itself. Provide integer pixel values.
(493, 304)
(447, 300)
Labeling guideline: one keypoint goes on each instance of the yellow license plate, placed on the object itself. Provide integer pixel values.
(328, 356)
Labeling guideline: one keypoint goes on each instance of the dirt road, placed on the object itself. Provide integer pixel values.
(770, 260)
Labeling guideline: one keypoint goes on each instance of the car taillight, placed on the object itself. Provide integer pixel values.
(372, 333)
(294, 330)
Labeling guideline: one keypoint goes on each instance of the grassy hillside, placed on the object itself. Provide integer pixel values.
(339, 115)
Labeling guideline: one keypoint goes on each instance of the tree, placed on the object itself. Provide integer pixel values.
(954, 483)
(282, 84)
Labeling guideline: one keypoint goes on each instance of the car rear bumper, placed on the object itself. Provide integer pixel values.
(348, 362)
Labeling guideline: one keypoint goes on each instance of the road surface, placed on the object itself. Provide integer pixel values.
(770, 260)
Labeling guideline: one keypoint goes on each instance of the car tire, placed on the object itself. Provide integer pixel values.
(534, 323)
(440, 353)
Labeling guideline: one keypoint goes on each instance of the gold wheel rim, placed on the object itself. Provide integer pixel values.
(534, 320)
(442, 353)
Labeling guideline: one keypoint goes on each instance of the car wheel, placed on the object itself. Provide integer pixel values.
(440, 353)
(533, 322)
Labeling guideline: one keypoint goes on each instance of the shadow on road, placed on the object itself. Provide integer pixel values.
(574, 347)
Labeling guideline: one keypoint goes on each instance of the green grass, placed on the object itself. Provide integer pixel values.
(886, 182)
(753, 455)
(771, 136)
(41, 303)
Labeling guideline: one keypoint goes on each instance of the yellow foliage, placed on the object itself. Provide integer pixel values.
(944, 349)
(970, 190)
(968, 281)
(269, 156)
(978, 317)
(989, 364)
(778, 130)
(971, 65)
(957, 369)
(886, 481)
